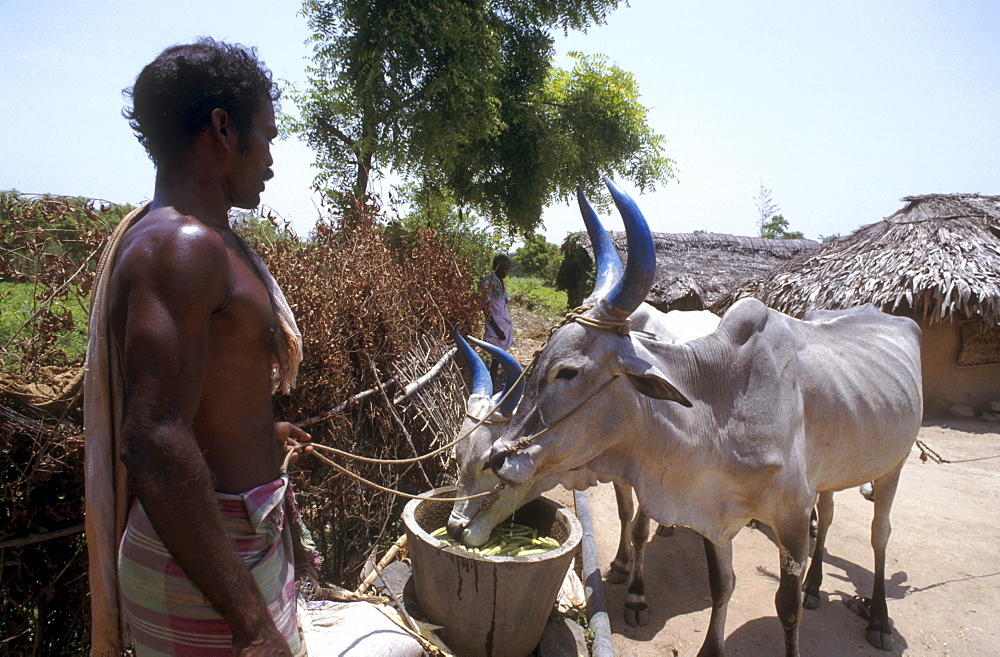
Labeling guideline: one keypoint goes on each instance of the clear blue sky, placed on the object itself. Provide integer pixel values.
(839, 108)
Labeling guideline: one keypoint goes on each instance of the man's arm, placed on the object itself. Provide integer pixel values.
(170, 295)
(496, 329)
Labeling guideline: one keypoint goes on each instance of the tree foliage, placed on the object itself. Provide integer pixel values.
(538, 258)
(576, 271)
(770, 223)
(462, 97)
(462, 232)
(776, 227)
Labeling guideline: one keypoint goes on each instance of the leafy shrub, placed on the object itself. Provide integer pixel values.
(534, 295)
(576, 271)
(537, 258)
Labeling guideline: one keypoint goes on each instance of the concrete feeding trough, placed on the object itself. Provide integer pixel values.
(489, 606)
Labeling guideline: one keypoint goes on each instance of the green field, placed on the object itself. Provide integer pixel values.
(531, 294)
(20, 306)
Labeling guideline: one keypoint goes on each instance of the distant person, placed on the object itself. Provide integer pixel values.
(189, 338)
(499, 327)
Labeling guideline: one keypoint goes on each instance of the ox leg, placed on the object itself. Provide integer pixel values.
(635, 601)
(814, 578)
(722, 581)
(618, 570)
(879, 632)
(793, 546)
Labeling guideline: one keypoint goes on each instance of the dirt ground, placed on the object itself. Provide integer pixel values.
(943, 566)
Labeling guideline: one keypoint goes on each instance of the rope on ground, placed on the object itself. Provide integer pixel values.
(927, 453)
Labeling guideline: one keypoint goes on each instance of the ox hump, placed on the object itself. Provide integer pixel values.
(745, 319)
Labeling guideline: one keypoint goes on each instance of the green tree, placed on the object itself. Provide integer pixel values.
(766, 208)
(770, 223)
(777, 228)
(538, 258)
(459, 230)
(461, 95)
(571, 129)
(576, 270)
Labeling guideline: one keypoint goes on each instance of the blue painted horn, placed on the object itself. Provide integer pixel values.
(512, 372)
(481, 383)
(608, 265)
(640, 270)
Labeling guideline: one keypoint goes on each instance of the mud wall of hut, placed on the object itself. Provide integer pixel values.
(946, 383)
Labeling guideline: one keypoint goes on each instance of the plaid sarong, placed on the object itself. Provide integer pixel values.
(168, 615)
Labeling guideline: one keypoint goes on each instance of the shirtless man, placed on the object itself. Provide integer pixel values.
(196, 330)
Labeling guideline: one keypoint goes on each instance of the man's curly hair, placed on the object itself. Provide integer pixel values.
(174, 95)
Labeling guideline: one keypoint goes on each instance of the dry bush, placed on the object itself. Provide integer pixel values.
(368, 311)
(361, 306)
(46, 270)
(44, 587)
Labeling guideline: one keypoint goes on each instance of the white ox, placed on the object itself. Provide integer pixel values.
(471, 521)
(753, 421)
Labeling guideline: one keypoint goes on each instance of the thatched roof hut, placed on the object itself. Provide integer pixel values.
(693, 270)
(937, 259)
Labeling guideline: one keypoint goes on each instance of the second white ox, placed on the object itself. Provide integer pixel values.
(753, 421)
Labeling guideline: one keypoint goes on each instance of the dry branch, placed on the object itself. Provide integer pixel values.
(416, 385)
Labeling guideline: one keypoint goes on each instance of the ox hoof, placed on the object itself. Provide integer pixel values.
(665, 531)
(879, 639)
(636, 616)
(810, 600)
(615, 574)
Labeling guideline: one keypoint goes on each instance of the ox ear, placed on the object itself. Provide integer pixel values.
(648, 380)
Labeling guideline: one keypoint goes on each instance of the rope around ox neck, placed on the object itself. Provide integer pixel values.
(580, 316)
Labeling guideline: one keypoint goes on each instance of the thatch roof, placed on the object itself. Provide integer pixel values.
(938, 258)
(693, 270)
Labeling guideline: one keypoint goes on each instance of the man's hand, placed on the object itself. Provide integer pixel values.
(291, 437)
(496, 329)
